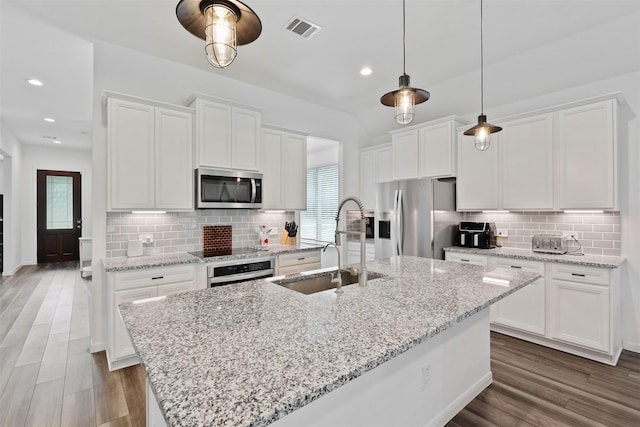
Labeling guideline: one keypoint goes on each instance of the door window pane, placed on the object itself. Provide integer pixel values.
(59, 202)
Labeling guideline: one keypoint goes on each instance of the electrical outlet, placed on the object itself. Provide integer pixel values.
(146, 238)
(503, 232)
(426, 376)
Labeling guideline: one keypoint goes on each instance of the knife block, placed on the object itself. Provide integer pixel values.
(286, 240)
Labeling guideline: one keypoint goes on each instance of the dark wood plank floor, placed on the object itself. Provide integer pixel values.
(49, 378)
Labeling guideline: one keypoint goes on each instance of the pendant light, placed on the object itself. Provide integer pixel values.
(223, 24)
(406, 97)
(483, 130)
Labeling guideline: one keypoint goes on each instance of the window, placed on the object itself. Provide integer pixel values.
(318, 222)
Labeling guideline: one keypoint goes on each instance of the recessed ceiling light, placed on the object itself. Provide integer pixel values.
(366, 71)
(55, 141)
(34, 82)
(49, 119)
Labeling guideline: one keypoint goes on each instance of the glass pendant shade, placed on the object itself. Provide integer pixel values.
(220, 35)
(482, 133)
(404, 103)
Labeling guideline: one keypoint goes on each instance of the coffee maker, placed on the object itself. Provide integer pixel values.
(477, 235)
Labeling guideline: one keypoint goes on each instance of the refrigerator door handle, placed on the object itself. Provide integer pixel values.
(399, 223)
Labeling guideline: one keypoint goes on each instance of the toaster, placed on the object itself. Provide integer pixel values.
(549, 243)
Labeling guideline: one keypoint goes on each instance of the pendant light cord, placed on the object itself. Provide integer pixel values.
(404, 38)
(481, 65)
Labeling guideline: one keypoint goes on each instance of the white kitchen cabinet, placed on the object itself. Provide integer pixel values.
(284, 169)
(227, 136)
(375, 167)
(581, 307)
(404, 154)
(297, 262)
(587, 156)
(477, 186)
(133, 285)
(465, 258)
(427, 150)
(524, 309)
(150, 147)
(353, 252)
(526, 163)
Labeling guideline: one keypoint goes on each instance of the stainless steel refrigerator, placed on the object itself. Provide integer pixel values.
(416, 217)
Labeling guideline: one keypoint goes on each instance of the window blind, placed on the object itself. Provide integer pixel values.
(318, 221)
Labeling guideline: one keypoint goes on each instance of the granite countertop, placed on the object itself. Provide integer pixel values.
(250, 353)
(162, 260)
(584, 260)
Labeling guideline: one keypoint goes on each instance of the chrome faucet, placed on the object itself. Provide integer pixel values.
(337, 279)
(362, 279)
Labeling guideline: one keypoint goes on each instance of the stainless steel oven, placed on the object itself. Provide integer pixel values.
(227, 272)
(228, 189)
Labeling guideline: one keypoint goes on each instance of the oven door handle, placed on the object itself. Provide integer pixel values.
(234, 277)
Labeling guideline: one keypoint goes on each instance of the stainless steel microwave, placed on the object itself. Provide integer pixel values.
(228, 189)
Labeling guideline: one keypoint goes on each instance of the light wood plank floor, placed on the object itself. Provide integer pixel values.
(49, 378)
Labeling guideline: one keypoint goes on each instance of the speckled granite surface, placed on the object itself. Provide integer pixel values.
(584, 260)
(248, 354)
(160, 260)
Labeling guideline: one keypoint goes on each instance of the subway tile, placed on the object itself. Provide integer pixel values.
(161, 243)
(573, 219)
(170, 235)
(547, 227)
(162, 228)
(594, 236)
(611, 236)
(607, 228)
(606, 244)
(582, 227)
(592, 220)
(616, 228)
(611, 219)
(592, 251)
(122, 252)
(178, 242)
(146, 228)
(555, 219)
(611, 252)
(177, 227)
(564, 227)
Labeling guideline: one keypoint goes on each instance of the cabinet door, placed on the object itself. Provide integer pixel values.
(524, 309)
(368, 178)
(580, 314)
(465, 258)
(383, 164)
(586, 157)
(175, 288)
(477, 183)
(174, 160)
(404, 148)
(526, 159)
(130, 155)
(436, 151)
(213, 122)
(122, 346)
(246, 139)
(295, 172)
(272, 169)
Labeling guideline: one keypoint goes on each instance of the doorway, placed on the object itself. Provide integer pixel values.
(59, 216)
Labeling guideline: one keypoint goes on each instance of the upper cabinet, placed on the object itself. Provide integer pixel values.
(227, 136)
(284, 169)
(375, 167)
(562, 159)
(587, 154)
(149, 154)
(427, 150)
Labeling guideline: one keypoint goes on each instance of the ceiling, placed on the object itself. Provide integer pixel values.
(531, 46)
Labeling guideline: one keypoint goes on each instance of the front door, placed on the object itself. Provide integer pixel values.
(59, 216)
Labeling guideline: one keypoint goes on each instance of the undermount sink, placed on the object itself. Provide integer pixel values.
(311, 285)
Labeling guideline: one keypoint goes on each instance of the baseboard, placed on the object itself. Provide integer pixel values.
(96, 347)
(463, 400)
(631, 346)
(12, 272)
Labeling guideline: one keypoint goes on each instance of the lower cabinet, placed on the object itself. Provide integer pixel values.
(128, 286)
(297, 262)
(572, 308)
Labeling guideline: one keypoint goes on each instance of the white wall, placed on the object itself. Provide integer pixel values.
(123, 70)
(50, 158)
(12, 247)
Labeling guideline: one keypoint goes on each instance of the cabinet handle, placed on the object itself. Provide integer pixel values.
(577, 274)
(464, 260)
(516, 266)
(157, 277)
(301, 259)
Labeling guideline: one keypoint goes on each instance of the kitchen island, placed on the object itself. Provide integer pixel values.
(257, 353)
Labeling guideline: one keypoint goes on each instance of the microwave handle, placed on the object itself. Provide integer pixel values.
(253, 190)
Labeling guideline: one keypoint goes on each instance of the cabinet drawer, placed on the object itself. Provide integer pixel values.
(466, 258)
(297, 268)
(153, 277)
(299, 258)
(594, 275)
(175, 288)
(517, 264)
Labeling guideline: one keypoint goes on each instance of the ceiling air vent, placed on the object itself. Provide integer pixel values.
(302, 27)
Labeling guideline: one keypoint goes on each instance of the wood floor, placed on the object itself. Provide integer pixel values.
(49, 378)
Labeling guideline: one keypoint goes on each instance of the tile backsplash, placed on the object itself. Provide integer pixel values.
(598, 233)
(182, 231)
